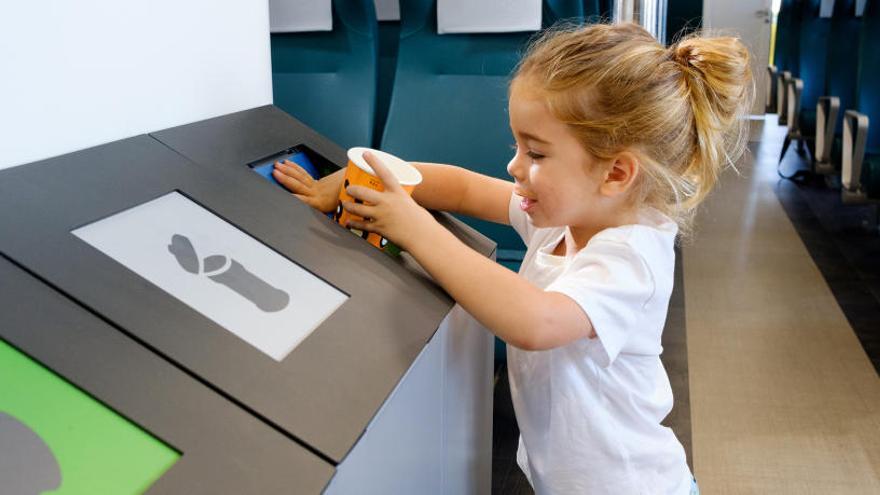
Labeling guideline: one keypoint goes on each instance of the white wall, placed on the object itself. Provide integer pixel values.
(78, 73)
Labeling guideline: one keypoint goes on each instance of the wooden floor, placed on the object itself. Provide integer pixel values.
(783, 399)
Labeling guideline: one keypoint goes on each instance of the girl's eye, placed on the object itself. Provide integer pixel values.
(531, 154)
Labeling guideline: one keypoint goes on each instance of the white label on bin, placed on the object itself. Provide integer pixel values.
(213, 267)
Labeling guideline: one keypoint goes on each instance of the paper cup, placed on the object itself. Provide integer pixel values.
(359, 173)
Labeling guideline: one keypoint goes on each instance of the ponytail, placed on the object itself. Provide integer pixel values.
(718, 77)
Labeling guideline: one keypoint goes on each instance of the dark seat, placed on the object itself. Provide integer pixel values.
(785, 53)
(805, 88)
(840, 84)
(328, 79)
(861, 135)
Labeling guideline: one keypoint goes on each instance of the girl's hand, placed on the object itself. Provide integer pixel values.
(393, 214)
(323, 195)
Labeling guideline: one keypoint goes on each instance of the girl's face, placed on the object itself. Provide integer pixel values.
(560, 181)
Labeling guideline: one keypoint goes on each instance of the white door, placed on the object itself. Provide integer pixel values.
(750, 20)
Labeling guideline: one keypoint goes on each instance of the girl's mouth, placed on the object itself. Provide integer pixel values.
(527, 204)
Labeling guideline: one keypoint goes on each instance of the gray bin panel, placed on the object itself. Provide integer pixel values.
(435, 430)
(327, 390)
(232, 141)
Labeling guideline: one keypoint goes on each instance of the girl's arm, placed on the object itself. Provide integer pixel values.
(511, 307)
(455, 189)
(508, 305)
(443, 187)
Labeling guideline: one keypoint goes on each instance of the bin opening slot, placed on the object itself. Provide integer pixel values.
(315, 164)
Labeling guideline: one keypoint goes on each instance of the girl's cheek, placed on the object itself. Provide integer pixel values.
(534, 175)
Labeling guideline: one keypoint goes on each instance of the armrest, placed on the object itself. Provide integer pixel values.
(826, 120)
(770, 96)
(781, 93)
(855, 134)
(793, 97)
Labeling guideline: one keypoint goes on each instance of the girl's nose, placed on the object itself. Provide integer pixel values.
(514, 168)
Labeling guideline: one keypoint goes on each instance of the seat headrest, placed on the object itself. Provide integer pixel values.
(488, 16)
(294, 16)
(388, 10)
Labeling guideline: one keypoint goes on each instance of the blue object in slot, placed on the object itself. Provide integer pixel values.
(298, 157)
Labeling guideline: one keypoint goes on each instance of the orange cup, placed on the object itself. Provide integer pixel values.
(359, 173)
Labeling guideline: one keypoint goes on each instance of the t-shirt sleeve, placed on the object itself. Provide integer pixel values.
(612, 284)
(519, 220)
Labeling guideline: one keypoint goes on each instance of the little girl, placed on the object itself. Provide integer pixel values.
(618, 139)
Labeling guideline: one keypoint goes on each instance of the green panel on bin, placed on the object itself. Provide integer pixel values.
(95, 449)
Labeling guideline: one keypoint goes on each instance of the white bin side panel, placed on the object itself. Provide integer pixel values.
(434, 433)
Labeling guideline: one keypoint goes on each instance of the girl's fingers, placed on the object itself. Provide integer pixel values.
(359, 209)
(315, 203)
(291, 183)
(364, 194)
(293, 169)
(300, 172)
(388, 179)
(359, 225)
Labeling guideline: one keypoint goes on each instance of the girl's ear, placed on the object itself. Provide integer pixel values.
(621, 174)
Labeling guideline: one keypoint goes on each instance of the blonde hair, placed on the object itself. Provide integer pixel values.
(679, 109)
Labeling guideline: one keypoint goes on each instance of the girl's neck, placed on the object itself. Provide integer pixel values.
(576, 237)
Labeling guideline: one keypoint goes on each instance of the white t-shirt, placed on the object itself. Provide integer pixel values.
(589, 412)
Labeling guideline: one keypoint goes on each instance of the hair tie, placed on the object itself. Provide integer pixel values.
(684, 55)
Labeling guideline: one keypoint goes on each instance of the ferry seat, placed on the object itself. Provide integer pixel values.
(786, 50)
(449, 101)
(827, 111)
(860, 167)
(841, 74)
(855, 133)
(803, 91)
(328, 79)
(785, 54)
